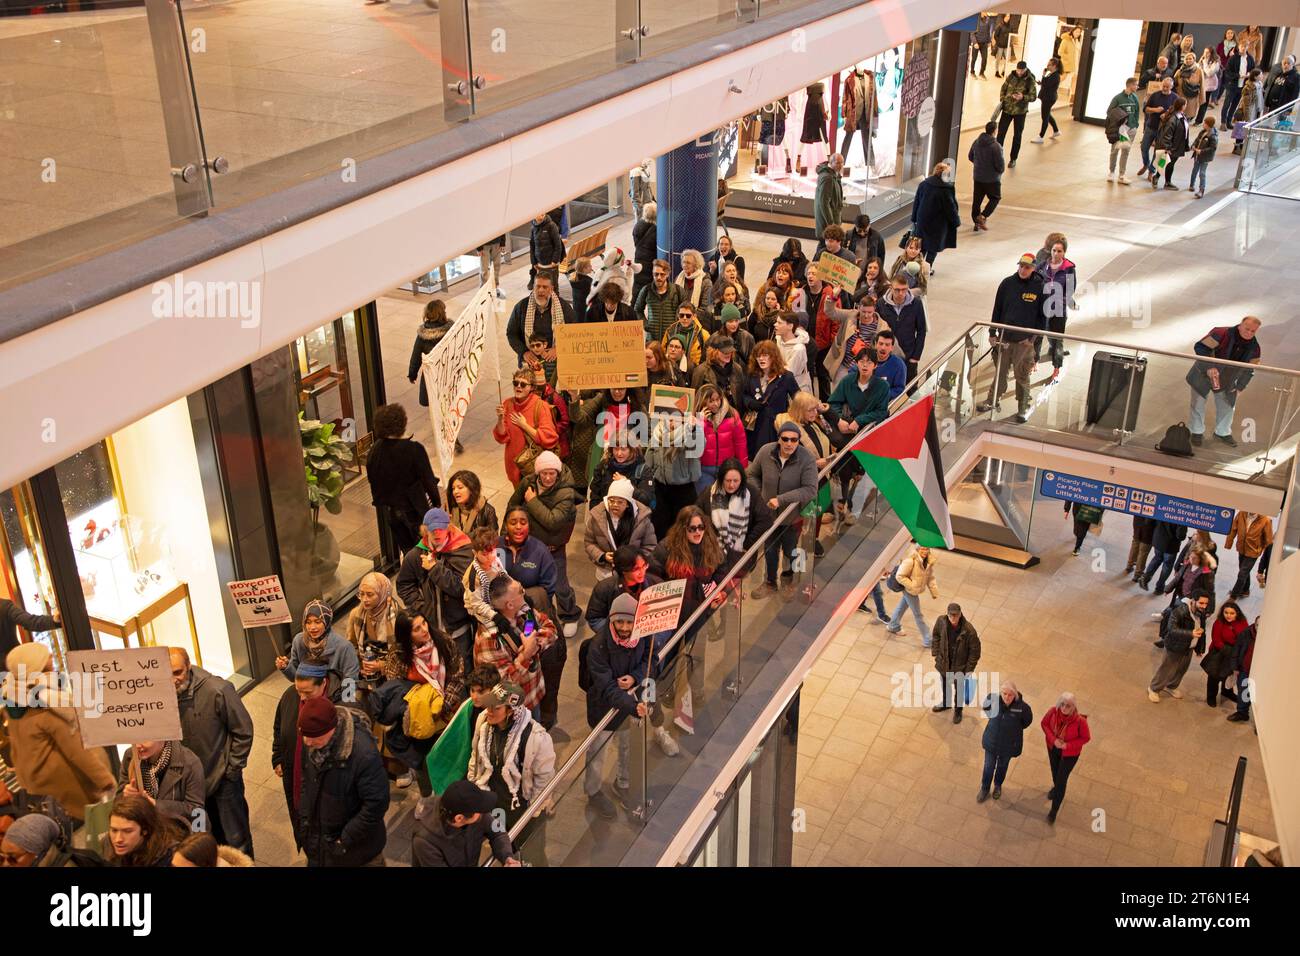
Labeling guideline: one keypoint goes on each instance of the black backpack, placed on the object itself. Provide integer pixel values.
(1177, 441)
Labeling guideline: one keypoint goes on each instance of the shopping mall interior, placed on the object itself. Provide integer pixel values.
(332, 167)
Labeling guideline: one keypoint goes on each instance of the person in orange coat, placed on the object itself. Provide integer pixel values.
(522, 419)
(1067, 731)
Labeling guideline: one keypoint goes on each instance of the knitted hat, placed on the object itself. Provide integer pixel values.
(32, 656)
(547, 459)
(620, 488)
(33, 833)
(317, 717)
(723, 343)
(729, 312)
(624, 607)
(435, 519)
(788, 426)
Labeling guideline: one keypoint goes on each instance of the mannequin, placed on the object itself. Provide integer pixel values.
(775, 157)
(812, 142)
(860, 115)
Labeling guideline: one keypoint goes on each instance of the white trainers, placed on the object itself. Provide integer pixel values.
(1056, 134)
(405, 780)
(1110, 177)
(1124, 180)
(570, 628)
(1153, 697)
(666, 742)
(1175, 693)
(1037, 139)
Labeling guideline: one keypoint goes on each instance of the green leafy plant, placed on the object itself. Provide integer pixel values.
(323, 456)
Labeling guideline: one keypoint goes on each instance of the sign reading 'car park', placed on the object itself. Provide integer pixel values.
(1137, 501)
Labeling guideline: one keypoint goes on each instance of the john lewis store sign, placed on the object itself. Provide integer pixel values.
(1137, 501)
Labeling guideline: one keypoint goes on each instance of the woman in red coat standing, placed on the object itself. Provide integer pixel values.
(1067, 731)
(1218, 662)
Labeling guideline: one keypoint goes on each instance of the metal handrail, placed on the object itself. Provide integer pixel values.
(1285, 106)
(1251, 127)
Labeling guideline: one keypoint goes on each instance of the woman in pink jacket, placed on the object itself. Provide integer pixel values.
(1067, 731)
(724, 434)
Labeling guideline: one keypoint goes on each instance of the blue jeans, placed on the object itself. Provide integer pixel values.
(878, 597)
(1223, 412)
(1148, 140)
(1245, 690)
(1231, 97)
(228, 814)
(1165, 562)
(995, 770)
(914, 602)
(1199, 169)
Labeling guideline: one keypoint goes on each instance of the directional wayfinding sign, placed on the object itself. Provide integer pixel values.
(1137, 501)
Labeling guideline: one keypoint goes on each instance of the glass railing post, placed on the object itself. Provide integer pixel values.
(640, 761)
(1123, 431)
(189, 165)
(458, 80)
(747, 11)
(629, 29)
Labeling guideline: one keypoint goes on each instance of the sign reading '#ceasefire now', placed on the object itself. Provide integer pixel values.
(260, 601)
(136, 698)
(838, 272)
(1137, 501)
(600, 355)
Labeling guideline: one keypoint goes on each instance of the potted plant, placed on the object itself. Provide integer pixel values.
(323, 455)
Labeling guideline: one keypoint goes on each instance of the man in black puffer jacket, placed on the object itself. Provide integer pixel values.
(545, 247)
(1020, 302)
(338, 812)
(1184, 636)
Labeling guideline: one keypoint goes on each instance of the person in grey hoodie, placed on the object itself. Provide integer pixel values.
(216, 726)
(988, 163)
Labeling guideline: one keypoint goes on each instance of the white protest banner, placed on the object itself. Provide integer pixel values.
(453, 367)
(135, 698)
(659, 608)
(260, 601)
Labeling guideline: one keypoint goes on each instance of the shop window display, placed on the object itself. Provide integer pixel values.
(24, 574)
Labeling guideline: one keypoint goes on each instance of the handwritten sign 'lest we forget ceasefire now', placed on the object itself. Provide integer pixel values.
(135, 699)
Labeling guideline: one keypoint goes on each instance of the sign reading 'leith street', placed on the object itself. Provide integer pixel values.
(1137, 501)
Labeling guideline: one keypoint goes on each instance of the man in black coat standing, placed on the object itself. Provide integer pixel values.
(988, 166)
(1020, 302)
(539, 312)
(956, 650)
(545, 248)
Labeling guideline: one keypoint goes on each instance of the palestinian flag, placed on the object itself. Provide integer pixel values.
(449, 758)
(901, 456)
(819, 505)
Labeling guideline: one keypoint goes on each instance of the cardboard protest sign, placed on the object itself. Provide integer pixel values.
(126, 696)
(838, 272)
(659, 608)
(260, 601)
(600, 355)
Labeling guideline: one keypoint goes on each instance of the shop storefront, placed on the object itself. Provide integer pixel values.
(881, 114)
(134, 538)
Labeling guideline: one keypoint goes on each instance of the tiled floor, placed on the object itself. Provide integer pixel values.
(882, 785)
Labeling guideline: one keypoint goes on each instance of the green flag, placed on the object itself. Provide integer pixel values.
(449, 758)
(819, 505)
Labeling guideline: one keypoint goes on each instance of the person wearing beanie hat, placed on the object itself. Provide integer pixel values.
(733, 326)
(319, 642)
(338, 787)
(955, 646)
(786, 474)
(33, 840)
(550, 496)
(618, 520)
(44, 742)
(13, 617)
(311, 679)
(431, 578)
(513, 757)
(617, 665)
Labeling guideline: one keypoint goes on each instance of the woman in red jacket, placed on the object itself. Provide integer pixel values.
(1067, 731)
(1218, 661)
(724, 434)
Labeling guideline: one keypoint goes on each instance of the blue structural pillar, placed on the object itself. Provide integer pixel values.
(687, 190)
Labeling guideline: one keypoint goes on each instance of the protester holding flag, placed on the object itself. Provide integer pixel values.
(449, 757)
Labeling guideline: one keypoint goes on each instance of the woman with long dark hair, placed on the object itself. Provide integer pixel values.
(1218, 663)
(138, 835)
(469, 508)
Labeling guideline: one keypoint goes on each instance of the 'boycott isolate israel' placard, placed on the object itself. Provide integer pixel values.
(1137, 501)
